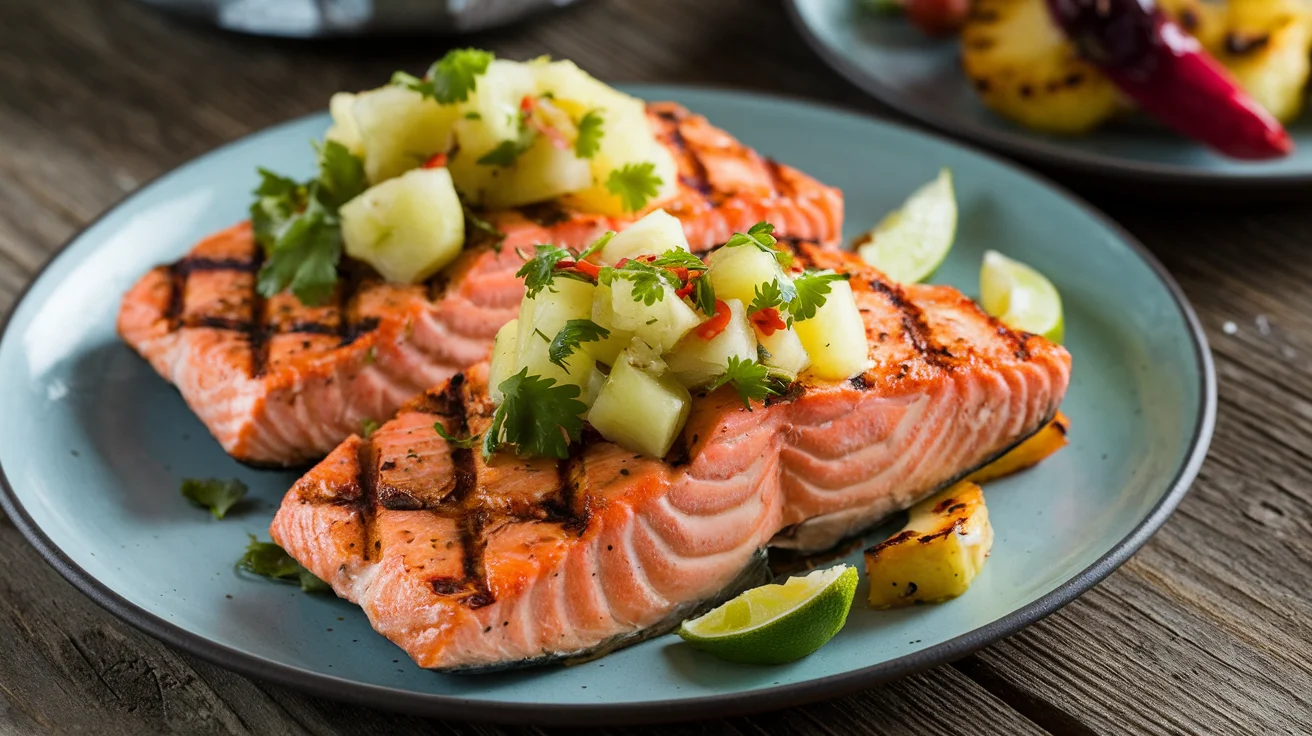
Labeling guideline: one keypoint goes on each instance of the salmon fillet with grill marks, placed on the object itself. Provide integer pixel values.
(469, 564)
(280, 383)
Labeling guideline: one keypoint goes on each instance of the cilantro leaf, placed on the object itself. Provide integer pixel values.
(267, 559)
(341, 174)
(297, 225)
(588, 141)
(778, 293)
(507, 152)
(574, 333)
(812, 290)
(703, 295)
(597, 245)
(464, 444)
(648, 281)
(634, 184)
(451, 78)
(676, 258)
(760, 236)
(750, 379)
(537, 416)
(539, 271)
(367, 428)
(213, 493)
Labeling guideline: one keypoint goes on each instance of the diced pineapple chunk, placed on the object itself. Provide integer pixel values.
(607, 350)
(407, 228)
(654, 234)
(344, 129)
(936, 555)
(540, 318)
(399, 130)
(1027, 454)
(489, 117)
(639, 411)
(736, 272)
(502, 365)
(660, 325)
(835, 337)
(697, 361)
(784, 351)
(627, 135)
(542, 172)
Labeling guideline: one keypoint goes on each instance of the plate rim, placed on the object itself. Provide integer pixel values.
(1036, 152)
(670, 710)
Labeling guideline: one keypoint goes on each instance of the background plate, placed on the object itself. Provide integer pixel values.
(95, 444)
(922, 77)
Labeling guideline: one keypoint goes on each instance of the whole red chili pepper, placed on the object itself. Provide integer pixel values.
(1168, 74)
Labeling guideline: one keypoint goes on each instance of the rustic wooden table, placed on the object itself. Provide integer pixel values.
(1207, 630)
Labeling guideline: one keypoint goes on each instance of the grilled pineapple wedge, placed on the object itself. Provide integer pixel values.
(1266, 46)
(937, 554)
(1027, 454)
(1025, 69)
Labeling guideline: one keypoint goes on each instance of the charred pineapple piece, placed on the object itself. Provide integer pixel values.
(1266, 44)
(1025, 69)
(937, 554)
(1027, 454)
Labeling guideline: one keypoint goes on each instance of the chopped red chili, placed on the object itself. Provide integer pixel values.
(768, 321)
(591, 270)
(436, 161)
(716, 324)
(528, 103)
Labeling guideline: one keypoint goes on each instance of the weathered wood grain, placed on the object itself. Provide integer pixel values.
(1207, 630)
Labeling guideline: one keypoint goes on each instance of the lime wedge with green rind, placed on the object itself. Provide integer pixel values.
(774, 624)
(1020, 297)
(910, 242)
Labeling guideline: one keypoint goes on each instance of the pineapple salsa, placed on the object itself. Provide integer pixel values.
(404, 166)
(618, 335)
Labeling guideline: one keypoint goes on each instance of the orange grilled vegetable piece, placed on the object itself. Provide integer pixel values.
(1028, 453)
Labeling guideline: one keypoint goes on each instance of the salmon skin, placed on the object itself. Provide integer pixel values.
(471, 564)
(280, 384)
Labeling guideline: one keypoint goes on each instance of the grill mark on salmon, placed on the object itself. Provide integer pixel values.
(649, 542)
(279, 383)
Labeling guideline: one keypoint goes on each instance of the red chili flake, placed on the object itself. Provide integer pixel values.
(591, 270)
(768, 321)
(436, 161)
(679, 271)
(528, 103)
(716, 324)
(620, 263)
(684, 290)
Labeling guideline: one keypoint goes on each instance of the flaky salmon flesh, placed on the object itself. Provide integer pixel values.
(474, 564)
(279, 383)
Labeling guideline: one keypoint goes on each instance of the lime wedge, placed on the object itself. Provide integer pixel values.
(1019, 296)
(909, 243)
(774, 624)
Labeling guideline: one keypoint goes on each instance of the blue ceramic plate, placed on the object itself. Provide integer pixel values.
(94, 444)
(922, 77)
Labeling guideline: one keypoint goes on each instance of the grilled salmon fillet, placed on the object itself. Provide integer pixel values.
(472, 564)
(279, 383)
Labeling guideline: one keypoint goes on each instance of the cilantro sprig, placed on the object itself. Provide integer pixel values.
(267, 559)
(590, 134)
(635, 185)
(813, 289)
(571, 336)
(297, 225)
(215, 494)
(537, 416)
(597, 245)
(752, 381)
(649, 281)
(540, 270)
(450, 79)
(777, 293)
(761, 237)
(463, 443)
